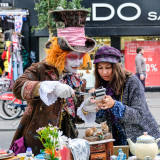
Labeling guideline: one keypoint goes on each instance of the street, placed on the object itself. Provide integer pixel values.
(8, 127)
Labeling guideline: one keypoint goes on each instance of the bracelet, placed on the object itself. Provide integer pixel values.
(84, 112)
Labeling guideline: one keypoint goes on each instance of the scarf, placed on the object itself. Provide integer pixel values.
(73, 80)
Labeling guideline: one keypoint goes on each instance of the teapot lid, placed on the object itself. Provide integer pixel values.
(145, 138)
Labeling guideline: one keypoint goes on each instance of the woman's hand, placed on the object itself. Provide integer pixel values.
(106, 102)
(89, 105)
(92, 91)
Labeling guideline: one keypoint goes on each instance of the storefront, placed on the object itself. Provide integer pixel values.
(122, 24)
(127, 25)
(14, 57)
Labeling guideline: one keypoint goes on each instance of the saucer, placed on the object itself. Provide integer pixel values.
(8, 155)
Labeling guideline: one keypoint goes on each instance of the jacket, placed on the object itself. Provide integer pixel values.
(140, 64)
(37, 114)
(137, 117)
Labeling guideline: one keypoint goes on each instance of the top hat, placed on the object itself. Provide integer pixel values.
(72, 36)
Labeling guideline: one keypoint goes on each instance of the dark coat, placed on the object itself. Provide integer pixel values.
(137, 117)
(37, 114)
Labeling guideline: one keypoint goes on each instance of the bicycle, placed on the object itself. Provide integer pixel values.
(11, 107)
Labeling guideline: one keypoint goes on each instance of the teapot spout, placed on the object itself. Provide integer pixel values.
(131, 146)
(157, 140)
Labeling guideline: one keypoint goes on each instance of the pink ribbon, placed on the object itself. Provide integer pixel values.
(74, 35)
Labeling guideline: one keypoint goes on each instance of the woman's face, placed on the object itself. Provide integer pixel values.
(105, 70)
(73, 61)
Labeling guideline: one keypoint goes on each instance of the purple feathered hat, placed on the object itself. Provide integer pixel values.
(107, 54)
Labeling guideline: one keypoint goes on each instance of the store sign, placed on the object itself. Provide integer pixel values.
(153, 16)
(151, 55)
(144, 12)
(4, 4)
(112, 10)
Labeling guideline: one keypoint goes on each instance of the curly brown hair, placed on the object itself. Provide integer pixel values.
(118, 79)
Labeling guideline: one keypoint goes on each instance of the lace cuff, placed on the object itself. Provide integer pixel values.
(88, 118)
(46, 92)
(27, 89)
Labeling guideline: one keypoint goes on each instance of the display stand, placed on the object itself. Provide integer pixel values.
(101, 149)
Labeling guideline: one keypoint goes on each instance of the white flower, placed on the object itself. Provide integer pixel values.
(61, 140)
(51, 137)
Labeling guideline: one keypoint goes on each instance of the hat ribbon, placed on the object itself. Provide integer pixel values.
(74, 35)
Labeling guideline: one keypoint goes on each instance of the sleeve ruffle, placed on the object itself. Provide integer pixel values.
(46, 92)
(89, 118)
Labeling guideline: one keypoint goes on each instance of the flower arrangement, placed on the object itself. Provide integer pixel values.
(52, 140)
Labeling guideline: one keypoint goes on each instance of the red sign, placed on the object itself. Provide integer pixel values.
(9, 96)
(151, 55)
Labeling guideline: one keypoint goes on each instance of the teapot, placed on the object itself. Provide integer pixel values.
(146, 145)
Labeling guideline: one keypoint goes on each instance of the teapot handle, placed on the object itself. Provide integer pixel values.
(157, 140)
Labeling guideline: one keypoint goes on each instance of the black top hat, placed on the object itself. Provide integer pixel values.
(75, 18)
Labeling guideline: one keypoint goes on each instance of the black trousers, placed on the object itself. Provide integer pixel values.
(142, 81)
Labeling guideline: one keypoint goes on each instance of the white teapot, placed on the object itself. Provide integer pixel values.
(145, 146)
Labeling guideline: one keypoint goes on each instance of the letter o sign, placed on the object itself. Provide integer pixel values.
(128, 5)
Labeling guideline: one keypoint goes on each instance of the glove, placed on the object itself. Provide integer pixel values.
(50, 90)
(63, 90)
(88, 106)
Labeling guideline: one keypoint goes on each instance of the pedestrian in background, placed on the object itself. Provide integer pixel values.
(140, 65)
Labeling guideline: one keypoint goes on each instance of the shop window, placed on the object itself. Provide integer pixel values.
(42, 41)
(151, 54)
(88, 73)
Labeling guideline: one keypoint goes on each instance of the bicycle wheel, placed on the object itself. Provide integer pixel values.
(11, 111)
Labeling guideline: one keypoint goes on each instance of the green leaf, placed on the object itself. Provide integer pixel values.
(42, 151)
(45, 21)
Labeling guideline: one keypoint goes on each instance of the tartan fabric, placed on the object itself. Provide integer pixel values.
(107, 54)
(137, 116)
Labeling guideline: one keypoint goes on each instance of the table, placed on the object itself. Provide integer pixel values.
(135, 158)
(101, 150)
(13, 158)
